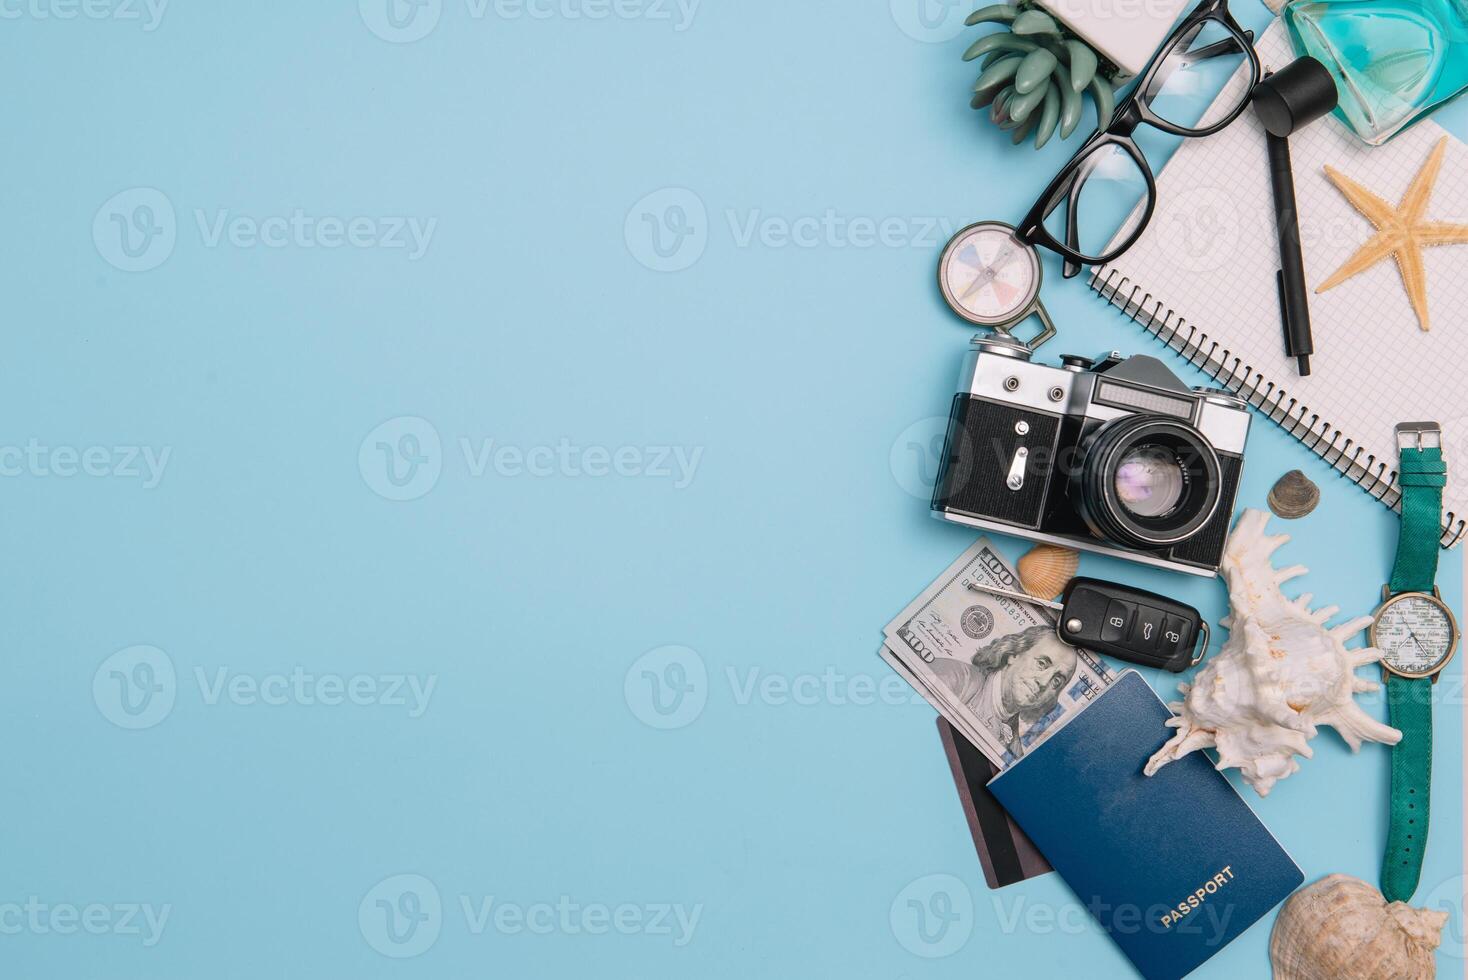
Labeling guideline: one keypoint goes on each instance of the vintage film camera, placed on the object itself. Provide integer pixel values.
(1115, 456)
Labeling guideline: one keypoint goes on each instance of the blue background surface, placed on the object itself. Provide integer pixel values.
(794, 816)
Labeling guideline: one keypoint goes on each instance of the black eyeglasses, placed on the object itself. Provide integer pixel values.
(1191, 87)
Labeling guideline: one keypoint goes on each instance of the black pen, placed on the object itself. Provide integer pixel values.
(1294, 301)
(1300, 93)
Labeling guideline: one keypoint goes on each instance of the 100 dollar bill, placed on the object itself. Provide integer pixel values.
(993, 666)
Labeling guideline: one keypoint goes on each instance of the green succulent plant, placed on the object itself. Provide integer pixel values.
(1035, 74)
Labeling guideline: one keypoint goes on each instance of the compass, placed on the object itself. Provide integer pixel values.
(992, 279)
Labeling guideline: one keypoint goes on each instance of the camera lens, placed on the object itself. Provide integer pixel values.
(1146, 481)
(1150, 482)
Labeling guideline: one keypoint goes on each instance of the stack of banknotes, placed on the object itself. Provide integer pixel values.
(993, 666)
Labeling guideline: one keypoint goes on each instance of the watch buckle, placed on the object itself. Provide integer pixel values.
(1419, 435)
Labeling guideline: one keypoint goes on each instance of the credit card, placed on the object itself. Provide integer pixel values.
(1005, 852)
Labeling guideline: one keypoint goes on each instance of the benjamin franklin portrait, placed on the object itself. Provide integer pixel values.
(1012, 683)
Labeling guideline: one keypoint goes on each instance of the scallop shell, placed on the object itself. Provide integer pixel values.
(1281, 674)
(1293, 496)
(1341, 928)
(1046, 569)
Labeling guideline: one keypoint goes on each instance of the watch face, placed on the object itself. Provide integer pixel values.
(988, 276)
(1415, 633)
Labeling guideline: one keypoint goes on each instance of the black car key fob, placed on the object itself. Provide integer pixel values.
(1129, 624)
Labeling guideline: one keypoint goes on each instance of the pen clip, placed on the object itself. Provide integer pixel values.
(1285, 314)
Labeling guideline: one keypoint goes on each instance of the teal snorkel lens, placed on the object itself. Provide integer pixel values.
(992, 279)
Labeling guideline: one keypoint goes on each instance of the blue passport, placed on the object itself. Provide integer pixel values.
(1173, 866)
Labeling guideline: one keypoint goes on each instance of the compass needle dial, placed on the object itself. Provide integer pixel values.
(989, 277)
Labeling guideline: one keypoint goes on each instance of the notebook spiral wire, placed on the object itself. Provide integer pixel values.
(1377, 478)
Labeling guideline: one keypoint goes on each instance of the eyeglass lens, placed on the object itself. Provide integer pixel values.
(1197, 82)
(1106, 201)
(1194, 73)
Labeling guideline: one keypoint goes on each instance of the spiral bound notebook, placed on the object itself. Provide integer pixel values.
(1202, 280)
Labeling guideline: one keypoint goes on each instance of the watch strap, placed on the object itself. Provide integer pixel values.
(1409, 701)
(1422, 475)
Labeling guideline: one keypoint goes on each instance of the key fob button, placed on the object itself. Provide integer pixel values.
(1118, 621)
(1177, 634)
(1148, 629)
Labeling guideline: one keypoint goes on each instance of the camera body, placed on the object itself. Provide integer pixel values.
(1116, 456)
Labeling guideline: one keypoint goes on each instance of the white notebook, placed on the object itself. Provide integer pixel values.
(1202, 279)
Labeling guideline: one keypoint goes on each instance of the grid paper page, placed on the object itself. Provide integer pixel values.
(1206, 265)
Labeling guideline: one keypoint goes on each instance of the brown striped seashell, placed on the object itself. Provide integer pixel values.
(1341, 928)
(1293, 496)
(1046, 569)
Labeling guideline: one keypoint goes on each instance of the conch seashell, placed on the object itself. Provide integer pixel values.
(1293, 496)
(1046, 569)
(1281, 673)
(1341, 928)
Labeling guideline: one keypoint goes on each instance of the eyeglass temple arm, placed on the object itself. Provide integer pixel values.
(1072, 198)
(1186, 59)
(1229, 45)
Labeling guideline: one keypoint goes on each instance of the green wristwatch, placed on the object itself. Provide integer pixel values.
(1417, 636)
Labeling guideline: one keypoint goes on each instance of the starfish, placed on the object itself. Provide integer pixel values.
(1401, 231)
